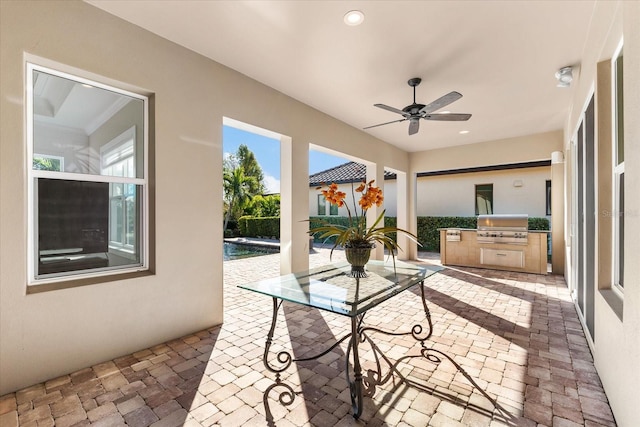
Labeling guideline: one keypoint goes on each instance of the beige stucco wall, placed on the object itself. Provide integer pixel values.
(47, 334)
(391, 197)
(499, 152)
(617, 340)
(515, 191)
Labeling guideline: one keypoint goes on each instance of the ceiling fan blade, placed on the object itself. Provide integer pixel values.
(448, 117)
(387, 123)
(443, 101)
(392, 109)
(414, 125)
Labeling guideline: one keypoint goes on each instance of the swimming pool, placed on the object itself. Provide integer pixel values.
(233, 251)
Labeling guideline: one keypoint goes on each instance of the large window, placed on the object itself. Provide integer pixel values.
(88, 200)
(333, 209)
(484, 199)
(618, 167)
(322, 205)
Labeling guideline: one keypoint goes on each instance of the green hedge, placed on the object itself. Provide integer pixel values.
(428, 233)
(316, 221)
(539, 224)
(266, 227)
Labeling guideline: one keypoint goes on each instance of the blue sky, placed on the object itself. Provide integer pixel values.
(267, 152)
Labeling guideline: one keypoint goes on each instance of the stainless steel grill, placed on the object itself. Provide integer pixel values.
(453, 235)
(512, 229)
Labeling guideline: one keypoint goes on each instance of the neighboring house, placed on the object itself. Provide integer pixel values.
(520, 188)
(347, 176)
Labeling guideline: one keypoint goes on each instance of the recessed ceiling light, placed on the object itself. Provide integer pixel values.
(463, 132)
(353, 17)
(445, 112)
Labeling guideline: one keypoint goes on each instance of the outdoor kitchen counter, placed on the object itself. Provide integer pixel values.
(469, 252)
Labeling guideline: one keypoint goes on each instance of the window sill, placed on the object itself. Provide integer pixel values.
(67, 284)
(614, 300)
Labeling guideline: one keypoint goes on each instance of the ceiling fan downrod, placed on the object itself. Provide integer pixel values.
(413, 83)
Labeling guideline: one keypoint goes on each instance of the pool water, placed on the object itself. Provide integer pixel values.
(232, 251)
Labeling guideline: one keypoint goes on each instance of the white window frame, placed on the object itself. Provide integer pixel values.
(114, 145)
(127, 137)
(618, 171)
(33, 175)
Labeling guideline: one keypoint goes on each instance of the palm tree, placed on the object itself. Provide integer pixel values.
(248, 161)
(237, 190)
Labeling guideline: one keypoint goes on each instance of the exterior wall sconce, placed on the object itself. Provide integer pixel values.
(564, 76)
(557, 157)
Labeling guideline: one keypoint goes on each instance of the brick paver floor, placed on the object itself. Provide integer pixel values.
(509, 351)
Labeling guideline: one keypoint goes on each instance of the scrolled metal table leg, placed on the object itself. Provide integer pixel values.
(285, 397)
(417, 329)
(355, 386)
(283, 357)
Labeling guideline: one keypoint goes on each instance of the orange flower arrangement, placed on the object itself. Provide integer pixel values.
(373, 195)
(333, 196)
(356, 234)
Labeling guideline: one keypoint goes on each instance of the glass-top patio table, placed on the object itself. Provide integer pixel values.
(330, 288)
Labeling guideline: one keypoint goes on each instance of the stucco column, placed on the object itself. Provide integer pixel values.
(557, 213)
(402, 215)
(410, 189)
(294, 205)
(376, 171)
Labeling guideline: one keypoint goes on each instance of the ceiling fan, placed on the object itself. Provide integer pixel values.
(415, 111)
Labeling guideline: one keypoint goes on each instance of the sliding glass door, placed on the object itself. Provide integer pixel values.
(584, 217)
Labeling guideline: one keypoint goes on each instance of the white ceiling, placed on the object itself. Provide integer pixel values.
(501, 55)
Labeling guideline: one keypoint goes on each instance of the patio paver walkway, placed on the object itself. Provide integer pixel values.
(516, 336)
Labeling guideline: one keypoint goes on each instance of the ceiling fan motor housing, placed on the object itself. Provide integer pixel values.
(413, 109)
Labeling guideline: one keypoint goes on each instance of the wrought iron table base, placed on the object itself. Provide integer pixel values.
(357, 385)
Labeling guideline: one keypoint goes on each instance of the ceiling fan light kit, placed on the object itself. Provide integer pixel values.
(415, 111)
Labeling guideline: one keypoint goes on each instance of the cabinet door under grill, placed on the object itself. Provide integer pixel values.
(502, 258)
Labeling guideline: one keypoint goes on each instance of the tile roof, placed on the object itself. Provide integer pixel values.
(342, 174)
